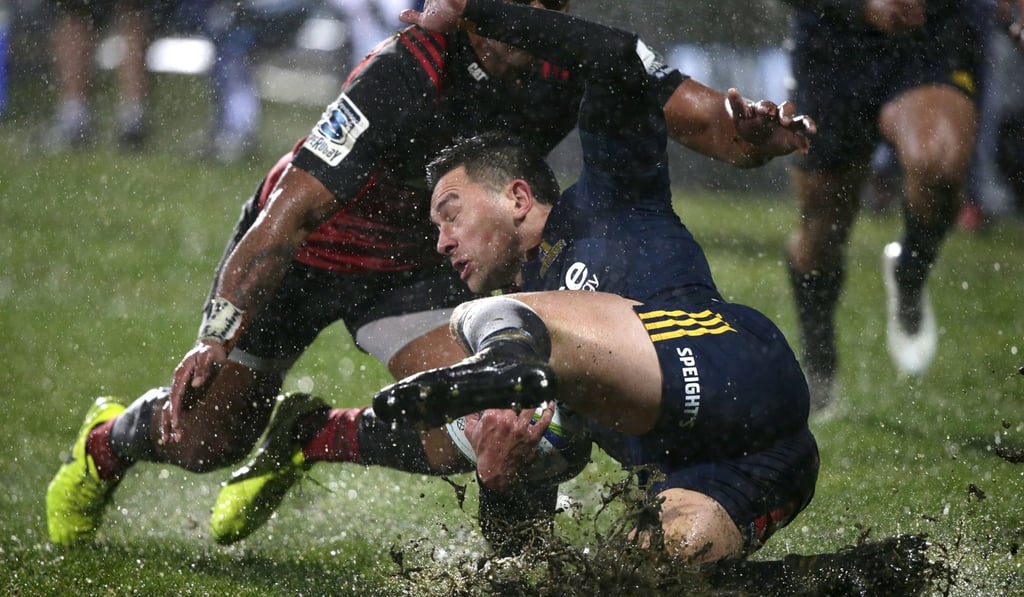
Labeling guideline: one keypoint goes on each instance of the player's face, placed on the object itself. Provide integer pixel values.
(477, 231)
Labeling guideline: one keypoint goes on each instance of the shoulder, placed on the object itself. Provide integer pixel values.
(413, 55)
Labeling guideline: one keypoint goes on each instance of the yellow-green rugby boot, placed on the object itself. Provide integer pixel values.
(255, 491)
(76, 496)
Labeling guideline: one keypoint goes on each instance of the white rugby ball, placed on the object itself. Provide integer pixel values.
(562, 452)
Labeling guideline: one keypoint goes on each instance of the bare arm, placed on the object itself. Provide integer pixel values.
(722, 126)
(297, 205)
(727, 127)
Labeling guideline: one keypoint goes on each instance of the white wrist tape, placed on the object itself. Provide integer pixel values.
(221, 321)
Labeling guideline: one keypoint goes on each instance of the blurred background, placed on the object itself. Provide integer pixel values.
(246, 62)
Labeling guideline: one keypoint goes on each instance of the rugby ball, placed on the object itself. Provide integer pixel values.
(562, 452)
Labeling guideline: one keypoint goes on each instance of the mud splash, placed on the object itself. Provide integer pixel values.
(611, 563)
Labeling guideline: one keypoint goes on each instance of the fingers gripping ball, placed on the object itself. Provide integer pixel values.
(562, 452)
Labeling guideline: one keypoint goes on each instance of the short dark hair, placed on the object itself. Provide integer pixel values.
(495, 159)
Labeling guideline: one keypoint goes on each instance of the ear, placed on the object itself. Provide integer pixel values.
(522, 197)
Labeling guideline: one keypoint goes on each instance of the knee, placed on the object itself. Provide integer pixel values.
(212, 449)
(936, 162)
(223, 429)
(697, 529)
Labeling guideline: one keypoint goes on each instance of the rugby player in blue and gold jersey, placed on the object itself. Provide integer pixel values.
(619, 318)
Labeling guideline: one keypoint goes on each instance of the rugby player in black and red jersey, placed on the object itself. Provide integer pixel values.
(338, 231)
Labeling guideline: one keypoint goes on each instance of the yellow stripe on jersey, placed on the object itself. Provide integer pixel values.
(666, 325)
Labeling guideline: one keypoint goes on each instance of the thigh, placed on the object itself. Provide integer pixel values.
(932, 127)
(401, 319)
(305, 302)
(607, 367)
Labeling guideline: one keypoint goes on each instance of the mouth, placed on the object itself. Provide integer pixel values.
(462, 267)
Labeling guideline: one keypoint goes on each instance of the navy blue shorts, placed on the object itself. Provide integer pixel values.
(844, 77)
(730, 383)
(762, 491)
(734, 414)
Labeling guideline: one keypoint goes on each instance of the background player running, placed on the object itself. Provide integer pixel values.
(901, 70)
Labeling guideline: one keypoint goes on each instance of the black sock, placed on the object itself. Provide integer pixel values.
(394, 446)
(130, 434)
(816, 295)
(920, 244)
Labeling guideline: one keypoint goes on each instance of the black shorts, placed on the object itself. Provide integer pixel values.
(843, 78)
(310, 299)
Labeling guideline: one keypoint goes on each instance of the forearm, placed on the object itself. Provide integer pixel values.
(256, 266)
(697, 119)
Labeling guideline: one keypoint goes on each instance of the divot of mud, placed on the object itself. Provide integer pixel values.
(611, 563)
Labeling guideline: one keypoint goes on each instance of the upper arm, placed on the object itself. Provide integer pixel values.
(297, 205)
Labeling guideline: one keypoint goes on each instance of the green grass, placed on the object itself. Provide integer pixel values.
(107, 258)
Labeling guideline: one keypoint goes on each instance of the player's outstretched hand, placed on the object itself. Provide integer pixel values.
(195, 371)
(775, 130)
(437, 15)
(505, 443)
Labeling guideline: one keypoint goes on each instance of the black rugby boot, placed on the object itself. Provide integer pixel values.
(501, 375)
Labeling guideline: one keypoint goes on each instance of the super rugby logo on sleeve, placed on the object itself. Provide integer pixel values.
(336, 133)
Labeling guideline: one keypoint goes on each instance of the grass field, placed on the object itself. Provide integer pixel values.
(106, 259)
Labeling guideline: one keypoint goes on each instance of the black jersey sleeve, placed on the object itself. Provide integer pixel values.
(596, 51)
(620, 97)
(364, 129)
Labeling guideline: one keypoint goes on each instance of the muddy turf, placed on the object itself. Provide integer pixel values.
(902, 565)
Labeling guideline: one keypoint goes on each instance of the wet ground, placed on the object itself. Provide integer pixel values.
(612, 564)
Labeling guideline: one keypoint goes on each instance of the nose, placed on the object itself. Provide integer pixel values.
(445, 243)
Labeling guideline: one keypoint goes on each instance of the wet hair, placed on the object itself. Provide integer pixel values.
(495, 159)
